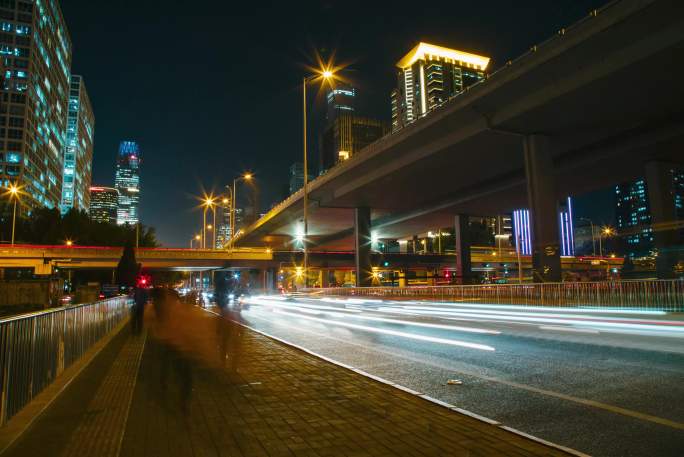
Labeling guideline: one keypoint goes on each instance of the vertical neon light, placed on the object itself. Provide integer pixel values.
(571, 229)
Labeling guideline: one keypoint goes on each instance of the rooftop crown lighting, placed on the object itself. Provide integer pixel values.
(424, 51)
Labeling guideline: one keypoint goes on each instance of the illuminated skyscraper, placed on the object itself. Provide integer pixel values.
(428, 76)
(36, 52)
(223, 224)
(340, 100)
(345, 132)
(127, 182)
(78, 154)
(104, 202)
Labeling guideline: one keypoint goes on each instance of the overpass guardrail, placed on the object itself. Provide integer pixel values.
(35, 348)
(657, 295)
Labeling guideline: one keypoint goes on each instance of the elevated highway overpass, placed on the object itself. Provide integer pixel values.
(598, 104)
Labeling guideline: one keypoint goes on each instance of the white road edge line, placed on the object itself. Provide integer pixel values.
(412, 392)
(556, 328)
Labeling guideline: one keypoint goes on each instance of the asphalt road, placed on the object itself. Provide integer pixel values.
(603, 382)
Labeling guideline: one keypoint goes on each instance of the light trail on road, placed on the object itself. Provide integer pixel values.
(568, 375)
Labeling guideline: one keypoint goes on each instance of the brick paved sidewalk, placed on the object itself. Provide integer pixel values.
(207, 387)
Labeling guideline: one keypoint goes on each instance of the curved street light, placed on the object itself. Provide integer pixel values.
(324, 74)
(233, 208)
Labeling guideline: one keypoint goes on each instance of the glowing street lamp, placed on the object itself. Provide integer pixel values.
(13, 192)
(606, 231)
(245, 177)
(208, 202)
(324, 74)
(69, 243)
(197, 238)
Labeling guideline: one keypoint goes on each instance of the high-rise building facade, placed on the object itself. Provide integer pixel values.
(223, 224)
(36, 52)
(127, 182)
(104, 202)
(78, 154)
(633, 213)
(297, 177)
(339, 100)
(345, 132)
(428, 76)
(633, 217)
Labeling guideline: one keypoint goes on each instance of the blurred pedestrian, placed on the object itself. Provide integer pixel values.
(140, 297)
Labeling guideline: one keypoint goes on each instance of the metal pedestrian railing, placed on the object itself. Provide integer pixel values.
(662, 295)
(36, 348)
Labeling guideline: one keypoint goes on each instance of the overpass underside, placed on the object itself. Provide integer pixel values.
(597, 105)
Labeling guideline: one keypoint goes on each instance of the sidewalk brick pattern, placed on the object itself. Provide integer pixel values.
(201, 386)
(100, 431)
(254, 396)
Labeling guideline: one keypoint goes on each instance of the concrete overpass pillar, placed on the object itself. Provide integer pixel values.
(661, 199)
(403, 277)
(464, 270)
(541, 194)
(362, 246)
(324, 278)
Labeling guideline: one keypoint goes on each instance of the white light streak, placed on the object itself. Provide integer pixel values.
(413, 336)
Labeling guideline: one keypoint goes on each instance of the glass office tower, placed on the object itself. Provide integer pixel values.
(35, 50)
(104, 202)
(127, 182)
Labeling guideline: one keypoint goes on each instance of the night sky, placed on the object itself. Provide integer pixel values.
(211, 89)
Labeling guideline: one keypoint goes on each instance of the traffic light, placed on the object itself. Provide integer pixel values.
(385, 263)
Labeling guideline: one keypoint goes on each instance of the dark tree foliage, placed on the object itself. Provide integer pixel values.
(47, 226)
(127, 269)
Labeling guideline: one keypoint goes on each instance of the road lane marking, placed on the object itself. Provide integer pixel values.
(546, 392)
(569, 329)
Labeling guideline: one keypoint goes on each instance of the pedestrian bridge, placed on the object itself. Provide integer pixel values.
(45, 258)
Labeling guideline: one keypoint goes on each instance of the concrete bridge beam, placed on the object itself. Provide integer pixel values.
(541, 194)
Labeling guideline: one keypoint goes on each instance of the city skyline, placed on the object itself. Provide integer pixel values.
(208, 144)
(472, 244)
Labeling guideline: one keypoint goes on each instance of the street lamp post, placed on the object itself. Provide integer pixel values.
(605, 231)
(196, 237)
(233, 207)
(13, 192)
(213, 246)
(207, 203)
(325, 75)
(204, 228)
(593, 237)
